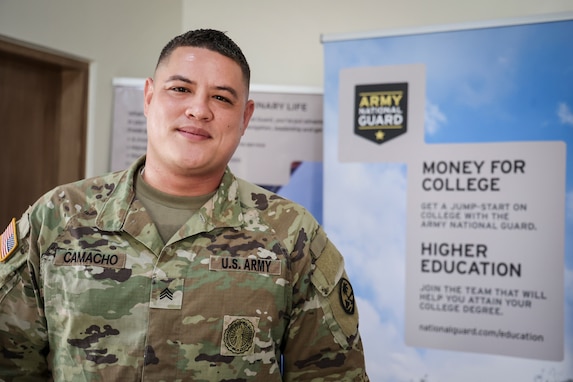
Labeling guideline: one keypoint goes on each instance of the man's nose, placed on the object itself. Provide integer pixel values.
(199, 108)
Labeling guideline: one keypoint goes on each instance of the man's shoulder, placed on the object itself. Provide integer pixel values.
(81, 193)
(252, 195)
(277, 211)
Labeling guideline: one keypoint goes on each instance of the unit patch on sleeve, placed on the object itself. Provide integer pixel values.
(239, 335)
(9, 241)
(346, 296)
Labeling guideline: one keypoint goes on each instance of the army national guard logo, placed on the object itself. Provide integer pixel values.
(381, 111)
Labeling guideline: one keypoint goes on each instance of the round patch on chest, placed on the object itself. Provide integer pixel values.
(239, 336)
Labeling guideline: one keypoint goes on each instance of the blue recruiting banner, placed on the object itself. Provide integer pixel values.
(449, 188)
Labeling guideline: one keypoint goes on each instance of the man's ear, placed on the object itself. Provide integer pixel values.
(249, 110)
(147, 94)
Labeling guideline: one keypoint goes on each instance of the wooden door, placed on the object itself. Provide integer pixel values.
(43, 119)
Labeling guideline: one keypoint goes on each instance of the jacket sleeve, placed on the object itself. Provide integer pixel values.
(323, 342)
(23, 333)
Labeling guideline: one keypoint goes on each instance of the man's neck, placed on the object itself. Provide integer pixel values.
(180, 184)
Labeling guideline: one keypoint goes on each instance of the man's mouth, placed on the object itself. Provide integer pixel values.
(194, 132)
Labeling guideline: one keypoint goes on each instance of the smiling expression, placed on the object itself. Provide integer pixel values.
(197, 109)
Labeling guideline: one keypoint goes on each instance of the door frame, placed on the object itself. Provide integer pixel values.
(72, 116)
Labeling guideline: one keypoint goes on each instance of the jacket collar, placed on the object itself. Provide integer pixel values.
(222, 210)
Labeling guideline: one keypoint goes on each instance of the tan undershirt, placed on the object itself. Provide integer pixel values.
(168, 212)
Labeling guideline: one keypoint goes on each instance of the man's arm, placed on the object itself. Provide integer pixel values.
(323, 340)
(23, 333)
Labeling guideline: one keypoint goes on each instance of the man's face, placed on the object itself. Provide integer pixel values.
(197, 110)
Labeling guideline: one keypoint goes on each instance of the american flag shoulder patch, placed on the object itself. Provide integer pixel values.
(8, 241)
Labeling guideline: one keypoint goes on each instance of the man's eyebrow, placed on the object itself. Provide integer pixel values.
(228, 89)
(178, 77)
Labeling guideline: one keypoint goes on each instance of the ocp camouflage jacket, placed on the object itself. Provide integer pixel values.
(249, 289)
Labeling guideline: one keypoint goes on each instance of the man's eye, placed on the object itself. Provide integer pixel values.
(179, 89)
(221, 98)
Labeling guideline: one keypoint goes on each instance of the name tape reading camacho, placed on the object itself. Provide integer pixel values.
(90, 258)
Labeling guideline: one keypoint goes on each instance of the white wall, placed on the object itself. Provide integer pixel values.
(281, 39)
(120, 38)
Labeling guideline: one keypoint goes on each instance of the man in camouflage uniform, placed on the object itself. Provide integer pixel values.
(175, 270)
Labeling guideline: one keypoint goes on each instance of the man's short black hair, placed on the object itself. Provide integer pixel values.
(211, 39)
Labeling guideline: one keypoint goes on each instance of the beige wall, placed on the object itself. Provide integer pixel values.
(281, 39)
(120, 38)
